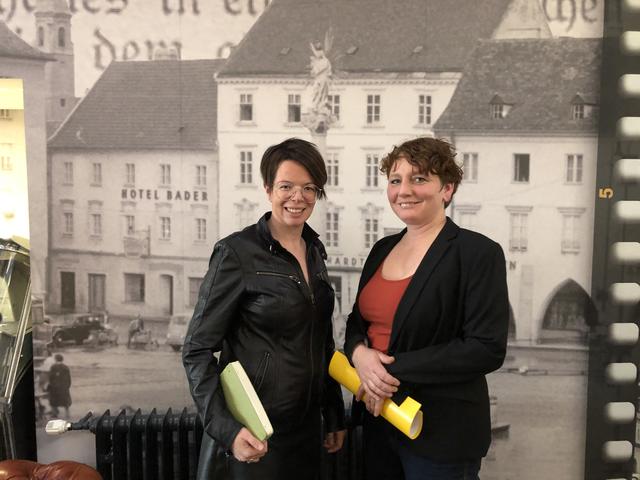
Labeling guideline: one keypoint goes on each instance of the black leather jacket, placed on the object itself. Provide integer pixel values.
(255, 306)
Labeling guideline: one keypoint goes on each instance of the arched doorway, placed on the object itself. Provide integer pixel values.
(568, 316)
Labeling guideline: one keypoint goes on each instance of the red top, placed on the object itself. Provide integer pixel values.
(378, 303)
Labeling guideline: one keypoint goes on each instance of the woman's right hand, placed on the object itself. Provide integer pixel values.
(247, 448)
(377, 383)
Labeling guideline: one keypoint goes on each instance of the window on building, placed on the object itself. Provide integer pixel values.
(201, 175)
(246, 166)
(373, 109)
(497, 110)
(470, 167)
(5, 114)
(40, 37)
(97, 174)
(201, 229)
(194, 288)
(63, 102)
(68, 173)
(518, 232)
(467, 220)
(61, 37)
(577, 111)
(574, 168)
(246, 107)
(371, 231)
(133, 287)
(424, 110)
(570, 233)
(165, 228)
(332, 229)
(165, 174)
(6, 163)
(130, 173)
(294, 108)
(95, 224)
(245, 213)
(333, 169)
(372, 172)
(67, 223)
(521, 167)
(130, 224)
(334, 105)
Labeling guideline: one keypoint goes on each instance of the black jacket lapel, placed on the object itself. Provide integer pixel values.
(421, 277)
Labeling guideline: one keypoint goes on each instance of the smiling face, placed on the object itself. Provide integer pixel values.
(294, 211)
(416, 198)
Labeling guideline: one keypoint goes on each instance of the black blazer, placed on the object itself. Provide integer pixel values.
(450, 329)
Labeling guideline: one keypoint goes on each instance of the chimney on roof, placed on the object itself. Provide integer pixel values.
(164, 53)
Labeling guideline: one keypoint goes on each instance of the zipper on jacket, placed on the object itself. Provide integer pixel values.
(263, 368)
(283, 275)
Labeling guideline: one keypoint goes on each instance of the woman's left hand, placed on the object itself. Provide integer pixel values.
(374, 406)
(333, 441)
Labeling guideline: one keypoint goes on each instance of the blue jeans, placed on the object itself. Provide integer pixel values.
(387, 457)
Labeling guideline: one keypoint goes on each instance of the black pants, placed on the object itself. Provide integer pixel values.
(292, 455)
(387, 457)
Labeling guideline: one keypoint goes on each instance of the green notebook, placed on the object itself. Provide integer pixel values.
(243, 402)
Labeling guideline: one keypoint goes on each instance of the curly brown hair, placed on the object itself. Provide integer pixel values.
(433, 156)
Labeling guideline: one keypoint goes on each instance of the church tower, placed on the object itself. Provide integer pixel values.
(53, 36)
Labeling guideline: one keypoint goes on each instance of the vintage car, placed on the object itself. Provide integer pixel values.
(177, 330)
(83, 327)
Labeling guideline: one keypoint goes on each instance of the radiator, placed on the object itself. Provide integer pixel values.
(165, 446)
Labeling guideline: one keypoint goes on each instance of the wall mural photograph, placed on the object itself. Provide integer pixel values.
(146, 123)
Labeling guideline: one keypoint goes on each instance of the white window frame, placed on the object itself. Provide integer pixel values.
(165, 228)
(5, 114)
(578, 112)
(372, 172)
(517, 167)
(97, 173)
(519, 228)
(246, 167)
(137, 296)
(333, 169)
(68, 173)
(68, 223)
(334, 105)
(201, 175)
(470, 167)
(574, 168)
(294, 108)
(95, 224)
(246, 107)
(374, 108)
(332, 228)
(424, 109)
(129, 224)
(130, 173)
(201, 229)
(165, 174)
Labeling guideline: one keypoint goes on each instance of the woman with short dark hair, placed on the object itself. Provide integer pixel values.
(429, 321)
(267, 301)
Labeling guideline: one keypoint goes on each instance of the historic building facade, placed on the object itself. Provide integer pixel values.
(134, 187)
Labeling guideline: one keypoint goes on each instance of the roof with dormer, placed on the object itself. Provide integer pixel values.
(539, 78)
(160, 104)
(368, 35)
(11, 45)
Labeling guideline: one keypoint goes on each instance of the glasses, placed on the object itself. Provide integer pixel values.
(286, 191)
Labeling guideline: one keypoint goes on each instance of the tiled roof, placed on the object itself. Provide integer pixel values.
(11, 45)
(162, 104)
(540, 78)
(387, 36)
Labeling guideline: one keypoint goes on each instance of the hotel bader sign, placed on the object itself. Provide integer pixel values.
(164, 195)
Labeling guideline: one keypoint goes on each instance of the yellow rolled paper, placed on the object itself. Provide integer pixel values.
(406, 417)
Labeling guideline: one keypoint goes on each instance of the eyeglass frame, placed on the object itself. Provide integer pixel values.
(295, 188)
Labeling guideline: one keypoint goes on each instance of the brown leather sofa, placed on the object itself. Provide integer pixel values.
(63, 470)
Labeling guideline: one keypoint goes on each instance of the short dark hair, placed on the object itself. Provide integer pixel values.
(58, 357)
(434, 156)
(301, 151)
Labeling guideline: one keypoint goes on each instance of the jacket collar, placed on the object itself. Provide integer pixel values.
(309, 235)
(420, 278)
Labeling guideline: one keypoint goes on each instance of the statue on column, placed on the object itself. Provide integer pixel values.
(320, 69)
